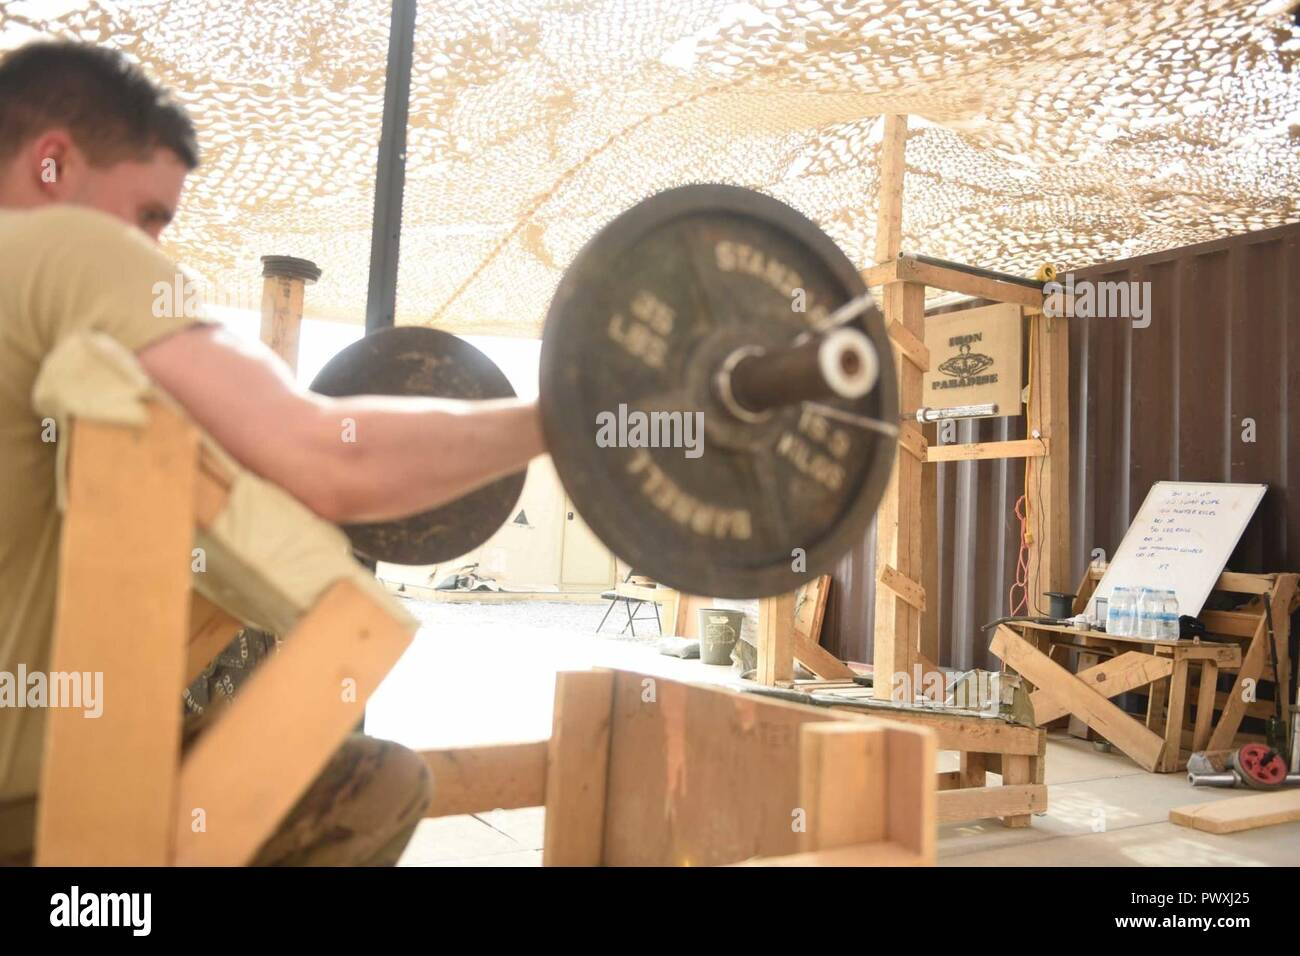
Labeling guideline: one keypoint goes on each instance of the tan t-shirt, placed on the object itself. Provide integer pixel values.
(63, 269)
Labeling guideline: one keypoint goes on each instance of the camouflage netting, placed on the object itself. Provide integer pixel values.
(1070, 131)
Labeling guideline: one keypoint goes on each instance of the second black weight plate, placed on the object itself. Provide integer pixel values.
(415, 360)
(649, 310)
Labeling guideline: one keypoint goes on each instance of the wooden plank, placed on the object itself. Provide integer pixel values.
(1235, 709)
(842, 784)
(898, 519)
(577, 765)
(907, 269)
(810, 607)
(776, 639)
(889, 195)
(494, 777)
(1280, 604)
(1244, 583)
(1017, 771)
(211, 629)
(1110, 678)
(910, 345)
(1048, 414)
(702, 776)
(912, 441)
(930, 554)
(1240, 813)
(819, 660)
(108, 784)
(907, 589)
(1239, 624)
(973, 772)
(1205, 698)
(911, 798)
(326, 669)
(1139, 743)
(1020, 801)
(981, 451)
(960, 732)
(1177, 714)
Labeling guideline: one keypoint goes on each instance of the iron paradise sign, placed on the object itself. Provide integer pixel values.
(975, 358)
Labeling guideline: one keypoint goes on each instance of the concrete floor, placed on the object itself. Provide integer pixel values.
(480, 673)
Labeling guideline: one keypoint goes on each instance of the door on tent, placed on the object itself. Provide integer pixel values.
(585, 563)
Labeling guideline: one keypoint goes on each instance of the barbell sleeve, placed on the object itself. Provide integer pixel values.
(840, 364)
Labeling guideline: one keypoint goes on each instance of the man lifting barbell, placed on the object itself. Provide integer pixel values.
(707, 300)
(93, 158)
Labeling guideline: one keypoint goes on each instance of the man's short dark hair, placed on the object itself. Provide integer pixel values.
(109, 105)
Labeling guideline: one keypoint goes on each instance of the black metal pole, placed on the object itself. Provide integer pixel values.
(390, 176)
(975, 270)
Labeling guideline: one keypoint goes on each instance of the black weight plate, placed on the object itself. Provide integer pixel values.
(643, 317)
(415, 360)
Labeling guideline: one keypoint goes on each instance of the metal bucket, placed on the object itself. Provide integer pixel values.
(719, 631)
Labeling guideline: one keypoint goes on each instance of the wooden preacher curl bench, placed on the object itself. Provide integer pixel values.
(638, 769)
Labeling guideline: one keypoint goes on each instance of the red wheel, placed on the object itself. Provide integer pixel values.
(1260, 766)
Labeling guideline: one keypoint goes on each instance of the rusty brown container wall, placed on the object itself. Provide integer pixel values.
(1174, 401)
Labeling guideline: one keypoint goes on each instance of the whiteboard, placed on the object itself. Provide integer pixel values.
(1181, 538)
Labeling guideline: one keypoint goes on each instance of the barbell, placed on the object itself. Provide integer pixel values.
(717, 394)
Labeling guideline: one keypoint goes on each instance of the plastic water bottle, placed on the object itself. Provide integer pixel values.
(1169, 616)
(1119, 612)
(1149, 604)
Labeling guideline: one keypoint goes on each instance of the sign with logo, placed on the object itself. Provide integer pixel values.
(975, 358)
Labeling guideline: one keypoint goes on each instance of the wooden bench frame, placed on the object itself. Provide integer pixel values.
(642, 770)
(115, 790)
(1180, 677)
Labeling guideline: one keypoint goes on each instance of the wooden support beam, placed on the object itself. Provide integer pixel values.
(1205, 697)
(1110, 678)
(776, 639)
(577, 769)
(980, 451)
(1251, 667)
(819, 660)
(913, 441)
(1177, 713)
(952, 280)
(910, 344)
(930, 547)
(843, 780)
(495, 777)
(899, 525)
(1049, 480)
(108, 783)
(1016, 803)
(284, 282)
(889, 197)
(1140, 743)
(328, 666)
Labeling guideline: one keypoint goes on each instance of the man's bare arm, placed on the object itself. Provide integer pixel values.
(367, 458)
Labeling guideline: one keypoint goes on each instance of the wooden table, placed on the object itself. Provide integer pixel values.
(1126, 664)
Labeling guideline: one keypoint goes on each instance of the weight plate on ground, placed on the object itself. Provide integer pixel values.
(1260, 766)
(647, 313)
(415, 360)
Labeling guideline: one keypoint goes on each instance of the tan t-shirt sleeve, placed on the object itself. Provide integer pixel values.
(78, 269)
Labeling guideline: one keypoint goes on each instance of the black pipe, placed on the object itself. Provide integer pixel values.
(390, 175)
(975, 271)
